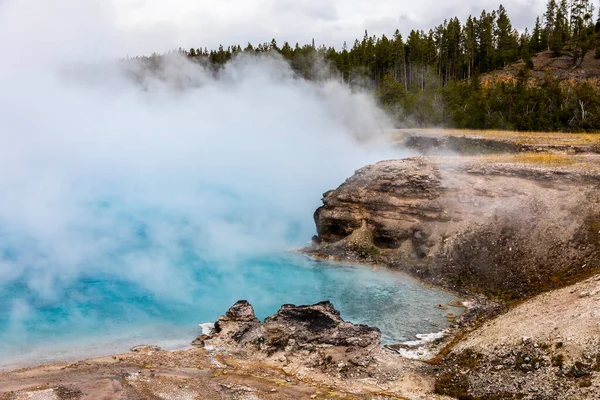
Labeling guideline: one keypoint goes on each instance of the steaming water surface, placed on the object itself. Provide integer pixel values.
(102, 314)
(134, 209)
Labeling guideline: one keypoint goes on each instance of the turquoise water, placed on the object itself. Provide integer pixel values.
(104, 267)
(103, 314)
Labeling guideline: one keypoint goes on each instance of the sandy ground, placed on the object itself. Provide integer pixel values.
(206, 375)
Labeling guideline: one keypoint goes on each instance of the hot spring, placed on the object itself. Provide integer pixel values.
(137, 204)
(102, 313)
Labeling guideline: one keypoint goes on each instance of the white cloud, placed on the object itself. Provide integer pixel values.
(160, 25)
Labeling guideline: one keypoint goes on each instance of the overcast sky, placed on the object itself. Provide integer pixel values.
(139, 27)
(207, 23)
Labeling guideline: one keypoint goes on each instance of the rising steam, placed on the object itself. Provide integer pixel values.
(104, 174)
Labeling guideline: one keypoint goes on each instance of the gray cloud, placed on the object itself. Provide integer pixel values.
(315, 9)
(209, 23)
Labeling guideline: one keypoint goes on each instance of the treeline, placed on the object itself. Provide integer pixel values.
(544, 106)
(433, 77)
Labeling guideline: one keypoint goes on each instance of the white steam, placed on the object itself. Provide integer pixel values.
(100, 174)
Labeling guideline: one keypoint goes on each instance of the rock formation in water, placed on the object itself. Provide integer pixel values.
(505, 230)
(314, 334)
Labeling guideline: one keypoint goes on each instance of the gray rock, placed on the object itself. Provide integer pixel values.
(434, 219)
(242, 311)
(199, 341)
(316, 328)
(145, 348)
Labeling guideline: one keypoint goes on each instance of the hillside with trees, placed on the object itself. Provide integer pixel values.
(479, 74)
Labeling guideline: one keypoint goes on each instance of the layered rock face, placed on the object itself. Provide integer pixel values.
(505, 230)
(389, 196)
(316, 333)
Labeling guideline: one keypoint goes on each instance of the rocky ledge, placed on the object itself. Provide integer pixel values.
(507, 231)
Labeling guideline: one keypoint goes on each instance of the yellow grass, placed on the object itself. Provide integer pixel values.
(583, 163)
(544, 159)
(532, 138)
(547, 156)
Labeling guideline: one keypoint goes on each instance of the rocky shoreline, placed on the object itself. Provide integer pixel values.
(301, 352)
(310, 352)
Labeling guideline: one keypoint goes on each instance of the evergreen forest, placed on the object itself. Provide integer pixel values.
(446, 76)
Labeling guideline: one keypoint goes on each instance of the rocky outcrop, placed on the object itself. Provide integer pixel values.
(316, 334)
(389, 196)
(505, 230)
(313, 326)
(304, 352)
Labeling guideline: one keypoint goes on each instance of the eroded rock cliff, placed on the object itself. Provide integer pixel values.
(505, 230)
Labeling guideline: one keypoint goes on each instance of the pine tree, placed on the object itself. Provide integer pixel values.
(550, 21)
(469, 44)
(383, 58)
(559, 34)
(525, 49)
(414, 57)
(439, 36)
(485, 38)
(506, 49)
(345, 64)
(286, 51)
(580, 21)
(536, 37)
(556, 43)
(399, 56)
(453, 50)
(563, 18)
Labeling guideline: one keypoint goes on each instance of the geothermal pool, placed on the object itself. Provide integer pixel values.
(130, 214)
(102, 314)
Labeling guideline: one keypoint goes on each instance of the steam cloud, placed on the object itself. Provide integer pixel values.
(102, 175)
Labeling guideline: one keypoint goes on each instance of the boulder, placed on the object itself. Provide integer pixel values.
(239, 324)
(315, 325)
(242, 311)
